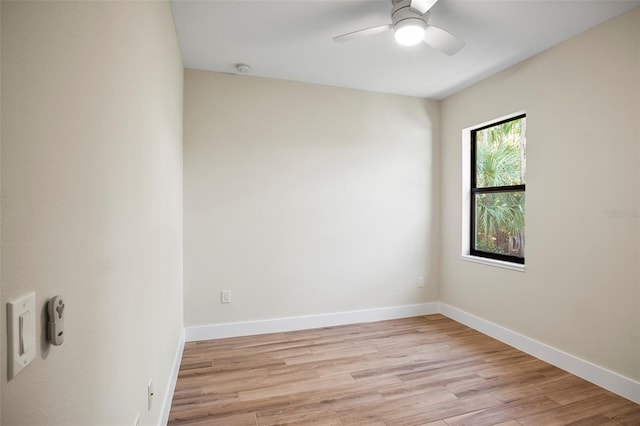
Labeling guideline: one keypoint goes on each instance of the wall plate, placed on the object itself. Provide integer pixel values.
(21, 339)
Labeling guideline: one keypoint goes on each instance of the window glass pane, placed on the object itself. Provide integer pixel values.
(500, 223)
(500, 154)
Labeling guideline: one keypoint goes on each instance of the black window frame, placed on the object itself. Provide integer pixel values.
(487, 190)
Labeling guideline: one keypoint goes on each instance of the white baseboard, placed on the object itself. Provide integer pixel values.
(600, 376)
(173, 379)
(248, 328)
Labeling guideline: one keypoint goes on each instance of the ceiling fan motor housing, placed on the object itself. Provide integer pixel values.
(402, 11)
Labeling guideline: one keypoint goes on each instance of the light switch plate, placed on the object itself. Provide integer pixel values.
(21, 314)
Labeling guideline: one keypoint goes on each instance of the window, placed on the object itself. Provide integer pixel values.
(496, 204)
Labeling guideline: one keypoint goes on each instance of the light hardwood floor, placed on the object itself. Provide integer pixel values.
(417, 371)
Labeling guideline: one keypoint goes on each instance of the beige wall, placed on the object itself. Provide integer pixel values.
(2, 353)
(305, 199)
(580, 291)
(91, 198)
(638, 206)
(2, 340)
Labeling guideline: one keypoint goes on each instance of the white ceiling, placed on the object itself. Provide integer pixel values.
(292, 39)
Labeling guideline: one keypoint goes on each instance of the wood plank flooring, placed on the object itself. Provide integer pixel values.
(416, 371)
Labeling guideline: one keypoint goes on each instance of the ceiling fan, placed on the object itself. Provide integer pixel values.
(409, 23)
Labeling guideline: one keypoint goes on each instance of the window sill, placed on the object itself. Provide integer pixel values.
(492, 262)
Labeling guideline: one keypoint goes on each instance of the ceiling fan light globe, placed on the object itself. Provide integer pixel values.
(409, 32)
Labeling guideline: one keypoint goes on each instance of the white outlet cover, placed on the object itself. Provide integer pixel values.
(150, 395)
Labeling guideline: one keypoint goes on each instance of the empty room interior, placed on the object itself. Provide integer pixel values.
(281, 213)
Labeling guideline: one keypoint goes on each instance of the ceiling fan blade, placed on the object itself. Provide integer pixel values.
(422, 6)
(442, 40)
(362, 33)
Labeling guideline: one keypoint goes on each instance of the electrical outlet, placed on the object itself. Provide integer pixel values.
(420, 281)
(225, 296)
(150, 395)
